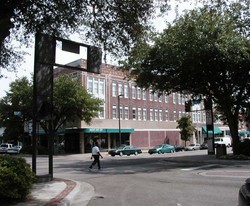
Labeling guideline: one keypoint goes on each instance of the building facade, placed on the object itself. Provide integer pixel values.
(130, 114)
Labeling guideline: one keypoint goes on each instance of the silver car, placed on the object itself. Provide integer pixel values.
(193, 147)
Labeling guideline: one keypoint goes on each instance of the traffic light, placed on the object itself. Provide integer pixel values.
(188, 105)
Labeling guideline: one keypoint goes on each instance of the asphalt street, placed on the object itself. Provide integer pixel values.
(178, 179)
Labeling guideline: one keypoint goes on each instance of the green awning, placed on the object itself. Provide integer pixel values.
(101, 130)
(216, 130)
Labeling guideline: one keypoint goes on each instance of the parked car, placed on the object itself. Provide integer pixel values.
(179, 148)
(14, 150)
(193, 147)
(4, 147)
(162, 148)
(204, 146)
(125, 150)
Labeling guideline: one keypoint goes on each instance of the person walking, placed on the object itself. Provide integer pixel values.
(96, 155)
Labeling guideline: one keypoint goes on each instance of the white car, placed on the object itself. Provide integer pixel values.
(4, 147)
(193, 147)
(14, 150)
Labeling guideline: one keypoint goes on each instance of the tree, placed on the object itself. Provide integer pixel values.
(186, 128)
(16, 108)
(115, 24)
(204, 52)
(72, 103)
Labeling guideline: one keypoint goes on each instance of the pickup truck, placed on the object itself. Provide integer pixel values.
(4, 147)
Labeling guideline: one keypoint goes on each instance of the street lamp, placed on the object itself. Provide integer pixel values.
(119, 117)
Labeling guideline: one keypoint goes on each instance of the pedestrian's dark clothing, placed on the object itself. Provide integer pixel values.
(96, 160)
(96, 155)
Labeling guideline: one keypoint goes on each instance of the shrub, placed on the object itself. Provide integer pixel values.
(16, 178)
(243, 147)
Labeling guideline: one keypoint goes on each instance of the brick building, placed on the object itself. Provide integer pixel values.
(146, 119)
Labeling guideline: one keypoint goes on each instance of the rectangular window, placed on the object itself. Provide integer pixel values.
(133, 92)
(156, 114)
(160, 115)
(175, 116)
(90, 85)
(126, 113)
(120, 89)
(174, 98)
(114, 90)
(121, 112)
(145, 114)
(167, 115)
(139, 114)
(102, 87)
(114, 113)
(138, 93)
(144, 93)
(151, 95)
(126, 94)
(166, 98)
(156, 96)
(160, 98)
(179, 99)
(101, 113)
(151, 115)
(95, 86)
(134, 113)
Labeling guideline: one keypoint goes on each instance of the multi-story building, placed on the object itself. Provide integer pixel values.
(130, 114)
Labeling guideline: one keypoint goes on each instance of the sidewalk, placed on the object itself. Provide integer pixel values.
(62, 192)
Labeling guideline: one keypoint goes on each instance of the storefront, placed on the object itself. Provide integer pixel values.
(81, 140)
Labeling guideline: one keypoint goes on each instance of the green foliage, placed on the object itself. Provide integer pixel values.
(186, 128)
(243, 148)
(17, 99)
(16, 177)
(115, 24)
(204, 52)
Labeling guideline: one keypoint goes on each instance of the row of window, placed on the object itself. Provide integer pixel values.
(139, 93)
(153, 114)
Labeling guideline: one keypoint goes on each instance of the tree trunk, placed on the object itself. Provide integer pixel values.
(233, 126)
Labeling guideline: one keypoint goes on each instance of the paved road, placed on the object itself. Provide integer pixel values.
(179, 179)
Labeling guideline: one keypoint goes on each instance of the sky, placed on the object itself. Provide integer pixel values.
(27, 67)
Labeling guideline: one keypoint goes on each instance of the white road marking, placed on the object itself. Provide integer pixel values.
(197, 168)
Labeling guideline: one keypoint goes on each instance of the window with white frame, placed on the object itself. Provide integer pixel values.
(151, 115)
(95, 86)
(114, 113)
(179, 98)
(144, 94)
(126, 113)
(133, 92)
(156, 114)
(134, 113)
(120, 89)
(160, 115)
(166, 98)
(156, 96)
(102, 87)
(167, 115)
(145, 114)
(160, 98)
(121, 112)
(175, 116)
(138, 93)
(114, 89)
(101, 112)
(139, 114)
(174, 98)
(90, 85)
(151, 95)
(126, 94)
